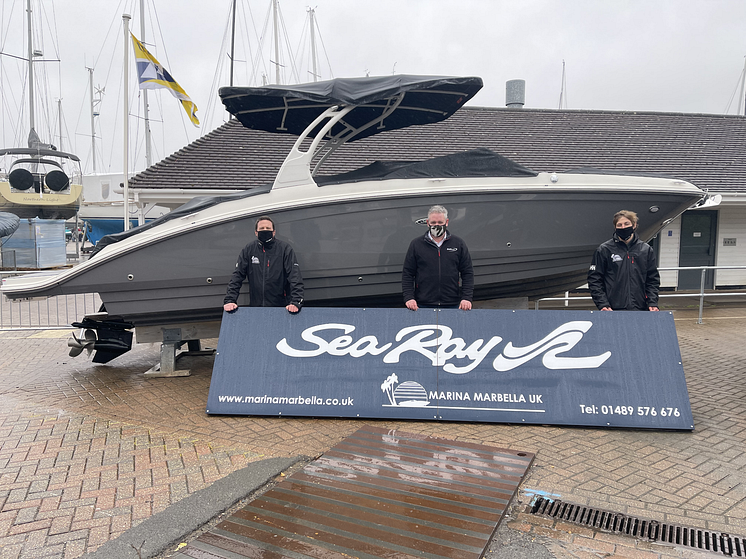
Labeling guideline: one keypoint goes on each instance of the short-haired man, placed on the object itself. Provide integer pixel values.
(433, 266)
(272, 269)
(623, 275)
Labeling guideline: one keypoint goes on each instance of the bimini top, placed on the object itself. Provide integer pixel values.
(39, 152)
(290, 109)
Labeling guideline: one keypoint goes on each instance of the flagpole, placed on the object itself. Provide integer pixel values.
(148, 149)
(126, 20)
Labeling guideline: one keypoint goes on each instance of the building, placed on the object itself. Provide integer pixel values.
(706, 150)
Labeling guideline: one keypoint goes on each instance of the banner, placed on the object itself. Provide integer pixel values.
(609, 369)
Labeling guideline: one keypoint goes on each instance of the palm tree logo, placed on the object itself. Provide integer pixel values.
(388, 387)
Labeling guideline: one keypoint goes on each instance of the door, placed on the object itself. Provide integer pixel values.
(698, 237)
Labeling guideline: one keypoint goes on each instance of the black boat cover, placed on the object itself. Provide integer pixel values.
(290, 109)
(8, 223)
(474, 163)
(194, 205)
(479, 162)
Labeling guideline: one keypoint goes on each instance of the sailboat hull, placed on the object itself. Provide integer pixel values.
(47, 206)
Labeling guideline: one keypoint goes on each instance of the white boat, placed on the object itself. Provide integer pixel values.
(529, 234)
(38, 180)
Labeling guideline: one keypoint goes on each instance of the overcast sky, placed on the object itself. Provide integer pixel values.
(642, 55)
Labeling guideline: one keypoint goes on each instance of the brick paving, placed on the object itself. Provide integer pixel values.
(87, 451)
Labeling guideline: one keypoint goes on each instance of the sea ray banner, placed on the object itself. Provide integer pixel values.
(152, 75)
(606, 369)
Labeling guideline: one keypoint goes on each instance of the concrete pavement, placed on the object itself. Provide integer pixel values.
(89, 451)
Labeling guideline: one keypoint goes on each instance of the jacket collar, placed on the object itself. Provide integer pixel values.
(429, 240)
(634, 240)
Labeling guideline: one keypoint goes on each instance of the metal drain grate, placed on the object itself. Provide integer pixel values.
(644, 529)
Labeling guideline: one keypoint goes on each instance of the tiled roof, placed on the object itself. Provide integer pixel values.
(707, 150)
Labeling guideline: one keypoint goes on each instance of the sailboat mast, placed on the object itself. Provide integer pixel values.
(277, 42)
(233, 39)
(126, 21)
(312, 23)
(30, 67)
(59, 115)
(93, 124)
(148, 150)
(741, 100)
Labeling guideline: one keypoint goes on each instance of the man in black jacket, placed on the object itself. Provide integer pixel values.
(272, 269)
(623, 274)
(434, 262)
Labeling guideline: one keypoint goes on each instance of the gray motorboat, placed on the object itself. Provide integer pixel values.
(530, 234)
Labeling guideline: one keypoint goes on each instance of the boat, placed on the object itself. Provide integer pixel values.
(102, 208)
(529, 234)
(38, 180)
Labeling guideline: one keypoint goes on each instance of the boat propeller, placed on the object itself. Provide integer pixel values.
(77, 345)
(108, 338)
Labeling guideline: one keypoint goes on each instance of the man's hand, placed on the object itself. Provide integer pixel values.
(292, 308)
(230, 307)
(465, 305)
(412, 305)
(607, 309)
(653, 309)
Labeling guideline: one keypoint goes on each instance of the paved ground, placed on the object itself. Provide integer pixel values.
(89, 451)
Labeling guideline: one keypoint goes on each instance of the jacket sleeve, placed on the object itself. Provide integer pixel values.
(294, 278)
(239, 274)
(408, 273)
(652, 280)
(596, 274)
(467, 274)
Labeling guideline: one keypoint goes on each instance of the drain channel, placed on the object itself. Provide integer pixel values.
(644, 529)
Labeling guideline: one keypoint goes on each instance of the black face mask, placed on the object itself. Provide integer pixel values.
(437, 230)
(624, 233)
(265, 237)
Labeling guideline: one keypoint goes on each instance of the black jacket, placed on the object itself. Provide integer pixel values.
(430, 274)
(273, 272)
(624, 277)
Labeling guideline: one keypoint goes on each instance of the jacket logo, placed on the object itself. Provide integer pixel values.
(616, 258)
(593, 268)
(451, 249)
(254, 260)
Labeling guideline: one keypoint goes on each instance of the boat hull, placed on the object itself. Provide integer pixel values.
(49, 205)
(523, 241)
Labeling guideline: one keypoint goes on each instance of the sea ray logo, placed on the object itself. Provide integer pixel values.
(560, 340)
(438, 344)
(254, 260)
(616, 258)
(452, 249)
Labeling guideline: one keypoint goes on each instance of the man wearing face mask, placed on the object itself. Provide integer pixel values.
(623, 275)
(433, 265)
(272, 269)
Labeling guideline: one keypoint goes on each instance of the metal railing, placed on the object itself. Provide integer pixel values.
(61, 311)
(45, 314)
(701, 294)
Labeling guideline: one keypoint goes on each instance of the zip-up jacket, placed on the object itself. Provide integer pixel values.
(431, 273)
(273, 272)
(624, 277)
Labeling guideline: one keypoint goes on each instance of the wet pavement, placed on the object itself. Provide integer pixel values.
(87, 452)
